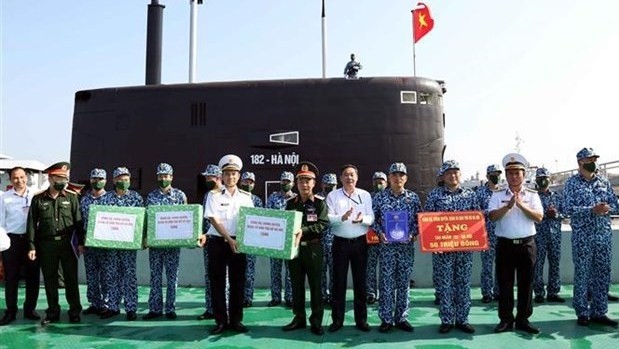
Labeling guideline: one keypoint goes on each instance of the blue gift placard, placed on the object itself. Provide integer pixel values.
(396, 226)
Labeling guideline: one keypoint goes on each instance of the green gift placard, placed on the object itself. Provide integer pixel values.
(173, 225)
(268, 232)
(115, 227)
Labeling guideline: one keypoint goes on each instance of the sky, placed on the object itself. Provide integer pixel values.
(544, 72)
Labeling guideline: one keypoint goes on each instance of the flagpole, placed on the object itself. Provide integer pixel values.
(414, 61)
(324, 41)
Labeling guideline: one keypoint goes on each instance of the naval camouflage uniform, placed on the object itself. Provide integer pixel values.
(250, 272)
(119, 275)
(371, 285)
(277, 201)
(326, 279)
(489, 283)
(548, 241)
(51, 225)
(453, 269)
(591, 243)
(159, 258)
(96, 291)
(396, 259)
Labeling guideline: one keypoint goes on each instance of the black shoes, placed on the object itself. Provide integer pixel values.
(32, 315)
(334, 327)
(539, 299)
(75, 319)
(49, 319)
(92, 310)
(273, 303)
(503, 326)
(444, 328)
(527, 327)
(317, 330)
(385, 327)
(612, 298)
(371, 299)
(131, 316)
(219, 328)
(466, 328)
(151, 315)
(405, 326)
(206, 316)
(555, 299)
(289, 304)
(239, 327)
(7, 319)
(604, 320)
(486, 299)
(437, 300)
(294, 325)
(582, 321)
(363, 327)
(247, 304)
(171, 315)
(107, 313)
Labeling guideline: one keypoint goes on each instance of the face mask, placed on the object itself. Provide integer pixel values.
(379, 187)
(542, 183)
(247, 187)
(164, 183)
(286, 187)
(494, 179)
(122, 185)
(60, 185)
(98, 185)
(210, 185)
(329, 188)
(590, 167)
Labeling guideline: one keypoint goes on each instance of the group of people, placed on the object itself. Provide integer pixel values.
(523, 227)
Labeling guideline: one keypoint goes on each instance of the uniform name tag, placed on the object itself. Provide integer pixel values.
(225, 204)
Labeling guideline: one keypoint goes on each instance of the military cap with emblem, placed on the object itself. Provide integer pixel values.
(98, 173)
(397, 167)
(542, 172)
(493, 168)
(307, 170)
(449, 165)
(230, 162)
(248, 176)
(586, 153)
(212, 170)
(164, 169)
(515, 161)
(379, 175)
(286, 176)
(121, 171)
(329, 178)
(61, 169)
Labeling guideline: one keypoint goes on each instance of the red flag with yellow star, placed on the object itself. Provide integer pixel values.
(422, 21)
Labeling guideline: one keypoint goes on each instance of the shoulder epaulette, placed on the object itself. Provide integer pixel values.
(318, 196)
(530, 190)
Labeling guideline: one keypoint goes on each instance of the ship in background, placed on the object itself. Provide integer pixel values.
(272, 125)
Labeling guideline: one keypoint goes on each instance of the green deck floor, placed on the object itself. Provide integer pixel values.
(557, 322)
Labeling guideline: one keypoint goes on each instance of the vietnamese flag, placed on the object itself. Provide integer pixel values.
(422, 21)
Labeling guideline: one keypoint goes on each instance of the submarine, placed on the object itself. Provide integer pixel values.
(272, 125)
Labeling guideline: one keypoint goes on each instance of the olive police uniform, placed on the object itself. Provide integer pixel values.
(309, 261)
(52, 221)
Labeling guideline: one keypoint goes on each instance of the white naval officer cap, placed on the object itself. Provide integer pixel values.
(515, 161)
(231, 162)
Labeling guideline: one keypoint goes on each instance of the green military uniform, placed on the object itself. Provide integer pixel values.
(52, 222)
(309, 260)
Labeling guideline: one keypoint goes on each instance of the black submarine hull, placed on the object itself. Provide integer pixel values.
(272, 125)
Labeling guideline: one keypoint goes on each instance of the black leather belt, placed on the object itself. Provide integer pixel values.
(20, 236)
(217, 237)
(362, 237)
(517, 241)
(309, 242)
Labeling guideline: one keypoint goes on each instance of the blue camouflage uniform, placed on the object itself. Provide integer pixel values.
(371, 284)
(453, 278)
(120, 265)
(591, 240)
(437, 296)
(326, 281)
(548, 241)
(93, 257)
(250, 271)
(211, 170)
(489, 283)
(396, 259)
(277, 201)
(159, 258)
